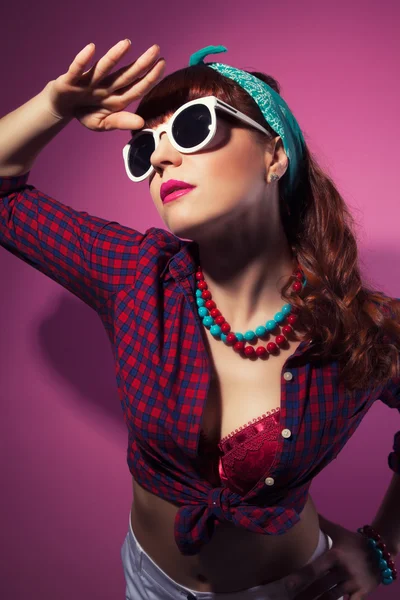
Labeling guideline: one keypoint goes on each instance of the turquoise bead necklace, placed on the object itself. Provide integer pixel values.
(220, 329)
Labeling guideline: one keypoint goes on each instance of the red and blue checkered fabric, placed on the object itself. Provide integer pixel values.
(142, 285)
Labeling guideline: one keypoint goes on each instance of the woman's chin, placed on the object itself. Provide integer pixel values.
(189, 231)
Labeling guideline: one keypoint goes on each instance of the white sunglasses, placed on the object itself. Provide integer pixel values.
(189, 129)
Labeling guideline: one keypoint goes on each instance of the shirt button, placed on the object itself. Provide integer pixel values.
(269, 481)
(288, 376)
(286, 433)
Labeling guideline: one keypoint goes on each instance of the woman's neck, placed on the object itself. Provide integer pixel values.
(245, 284)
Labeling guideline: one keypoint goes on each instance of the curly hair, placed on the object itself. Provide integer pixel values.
(339, 310)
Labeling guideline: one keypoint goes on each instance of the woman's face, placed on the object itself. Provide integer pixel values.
(229, 175)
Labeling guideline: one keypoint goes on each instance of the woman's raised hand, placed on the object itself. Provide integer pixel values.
(96, 97)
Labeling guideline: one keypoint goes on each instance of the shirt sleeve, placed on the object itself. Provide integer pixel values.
(89, 256)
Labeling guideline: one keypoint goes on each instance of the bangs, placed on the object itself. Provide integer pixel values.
(191, 83)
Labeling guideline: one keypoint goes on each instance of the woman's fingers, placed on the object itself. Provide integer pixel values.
(108, 62)
(126, 75)
(135, 90)
(77, 67)
(89, 95)
(98, 77)
(123, 120)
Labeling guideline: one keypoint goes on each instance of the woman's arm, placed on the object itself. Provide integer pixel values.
(386, 521)
(25, 131)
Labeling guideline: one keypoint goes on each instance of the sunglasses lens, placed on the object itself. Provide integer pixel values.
(142, 147)
(192, 126)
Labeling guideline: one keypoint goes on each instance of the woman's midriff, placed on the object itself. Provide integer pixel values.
(235, 559)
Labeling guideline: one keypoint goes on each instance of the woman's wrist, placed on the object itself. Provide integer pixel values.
(384, 558)
(391, 544)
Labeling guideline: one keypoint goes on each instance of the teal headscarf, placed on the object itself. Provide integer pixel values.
(275, 110)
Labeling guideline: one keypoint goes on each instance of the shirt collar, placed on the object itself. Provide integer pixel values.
(183, 263)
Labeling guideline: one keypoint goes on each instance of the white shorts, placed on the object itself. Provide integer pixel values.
(146, 581)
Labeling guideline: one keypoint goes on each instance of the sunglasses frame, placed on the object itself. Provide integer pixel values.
(212, 103)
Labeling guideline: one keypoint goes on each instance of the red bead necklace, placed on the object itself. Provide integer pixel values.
(221, 329)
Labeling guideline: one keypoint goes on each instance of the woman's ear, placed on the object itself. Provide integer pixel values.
(279, 162)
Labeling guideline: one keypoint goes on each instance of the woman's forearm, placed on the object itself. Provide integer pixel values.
(387, 519)
(25, 131)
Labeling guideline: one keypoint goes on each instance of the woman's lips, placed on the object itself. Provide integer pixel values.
(177, 194)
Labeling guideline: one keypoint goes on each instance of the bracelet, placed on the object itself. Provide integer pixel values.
(386, 564)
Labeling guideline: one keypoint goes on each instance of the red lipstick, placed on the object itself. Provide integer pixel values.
(176, 194)
(173, 189)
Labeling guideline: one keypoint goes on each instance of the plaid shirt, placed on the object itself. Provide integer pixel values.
(142, 285)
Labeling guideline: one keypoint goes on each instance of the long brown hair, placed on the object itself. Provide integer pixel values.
(339, 310)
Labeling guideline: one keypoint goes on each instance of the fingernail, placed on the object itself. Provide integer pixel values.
(127, 40)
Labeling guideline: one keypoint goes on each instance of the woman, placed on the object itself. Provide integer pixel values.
(226, 429)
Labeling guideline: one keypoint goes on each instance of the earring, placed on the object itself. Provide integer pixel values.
(274, 177)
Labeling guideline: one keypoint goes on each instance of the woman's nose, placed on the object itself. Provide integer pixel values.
(165, 153)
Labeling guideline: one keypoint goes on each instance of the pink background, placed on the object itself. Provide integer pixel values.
(66, 489)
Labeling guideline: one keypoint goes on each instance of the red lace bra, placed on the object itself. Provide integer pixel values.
(242, 457)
